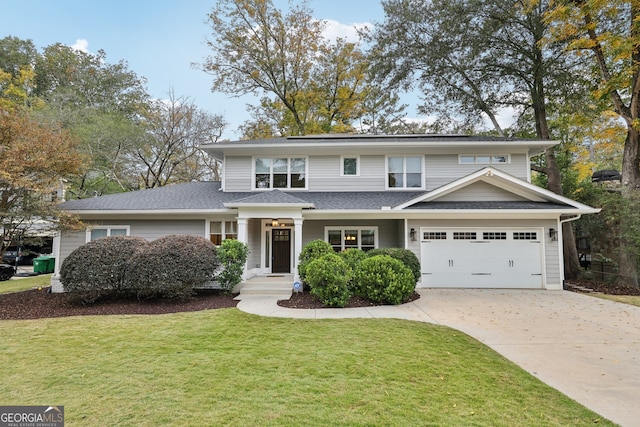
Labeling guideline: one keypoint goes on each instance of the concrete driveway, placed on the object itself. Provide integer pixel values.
(586, 347)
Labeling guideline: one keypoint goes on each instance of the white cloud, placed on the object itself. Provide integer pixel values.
(335, 29)
(81, 45)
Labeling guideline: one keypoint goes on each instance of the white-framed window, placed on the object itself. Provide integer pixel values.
(343, 238)
(350, 165)
(222, 230)
(405, 172)
(279, 172)
(483, 159)
(99, 231)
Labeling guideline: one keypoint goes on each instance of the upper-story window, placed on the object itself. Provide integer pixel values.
(405, 172)
(483, 159)
(350, 166)
(280, 172)
(97, 232)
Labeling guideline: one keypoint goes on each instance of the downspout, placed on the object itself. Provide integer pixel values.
(561, 239)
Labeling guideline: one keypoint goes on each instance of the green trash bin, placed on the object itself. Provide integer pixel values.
(44, 264)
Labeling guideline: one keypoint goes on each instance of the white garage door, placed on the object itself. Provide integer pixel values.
(481, 258)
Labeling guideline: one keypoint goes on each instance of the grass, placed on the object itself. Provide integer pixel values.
(23, 284)
(225, 367)
(626, 299)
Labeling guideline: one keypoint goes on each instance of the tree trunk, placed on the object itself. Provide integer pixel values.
(628, 256)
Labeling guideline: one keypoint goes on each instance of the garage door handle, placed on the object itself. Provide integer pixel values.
(450, 263)
(481, 274)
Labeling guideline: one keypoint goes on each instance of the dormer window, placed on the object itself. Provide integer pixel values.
(405, 172)
(280, 172)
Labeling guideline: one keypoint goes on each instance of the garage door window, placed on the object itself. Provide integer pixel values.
(494, 235)
(525, 235)
(464, 235)
(434, 235)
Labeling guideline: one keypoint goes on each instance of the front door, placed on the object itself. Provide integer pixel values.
(281, 250)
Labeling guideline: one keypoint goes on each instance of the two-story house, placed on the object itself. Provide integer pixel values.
(464, 205)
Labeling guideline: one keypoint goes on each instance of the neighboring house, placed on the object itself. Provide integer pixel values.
(464, 205)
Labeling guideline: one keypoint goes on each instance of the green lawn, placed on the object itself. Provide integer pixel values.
(626, 299)
(23, 284)
(225, 367)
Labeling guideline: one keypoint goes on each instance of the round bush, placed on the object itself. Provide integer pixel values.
(352, 257)
(408, 258)
(310, 252)
(383, 279)
(328, 278)
(172, 266)
(99, 268)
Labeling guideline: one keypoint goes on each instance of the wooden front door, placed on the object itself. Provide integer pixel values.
(281, 250)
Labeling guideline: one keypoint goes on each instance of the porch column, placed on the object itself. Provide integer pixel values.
(244, 238)
(297, 246)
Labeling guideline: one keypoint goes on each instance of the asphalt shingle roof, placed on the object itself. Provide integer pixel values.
(208, 196)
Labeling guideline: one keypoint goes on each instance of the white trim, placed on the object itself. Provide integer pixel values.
(404, 172)
(507, 182)
(342, 159)
(108, 228)
(490, 162)
(288, 187)
(358, 228)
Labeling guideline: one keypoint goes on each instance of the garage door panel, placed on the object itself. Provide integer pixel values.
(504, 259)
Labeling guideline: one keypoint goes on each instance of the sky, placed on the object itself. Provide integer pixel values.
(160, 39)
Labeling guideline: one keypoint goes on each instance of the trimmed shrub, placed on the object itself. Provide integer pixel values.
(232, 255)
(310, 252)
(328, 278)
(384, 279)
(99, 268)
(352, 257)
(407, 257)
(172, 266)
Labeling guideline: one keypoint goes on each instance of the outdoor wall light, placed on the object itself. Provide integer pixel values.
(412, 234)
(553, 234)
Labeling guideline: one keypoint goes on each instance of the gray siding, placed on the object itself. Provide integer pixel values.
(237, 174)
(444, 168)
(388, 236)
(481, 191)
(149, 230)
(254, 230)
(324, 174)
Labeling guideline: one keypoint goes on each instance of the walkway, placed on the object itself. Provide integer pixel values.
(586, 347)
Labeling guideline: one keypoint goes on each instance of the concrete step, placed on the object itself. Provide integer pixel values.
(266, 286)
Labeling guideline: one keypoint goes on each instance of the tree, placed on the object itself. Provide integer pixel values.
(473, 57)
(316, 84)
(175, 130)
(610, 32)
(33, 159)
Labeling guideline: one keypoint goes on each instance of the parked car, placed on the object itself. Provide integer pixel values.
(23, 256)
(6, 272)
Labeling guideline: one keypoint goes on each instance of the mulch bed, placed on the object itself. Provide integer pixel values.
(37, 304)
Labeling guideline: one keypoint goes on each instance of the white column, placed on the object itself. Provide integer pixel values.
(243, 237)
(297, 248)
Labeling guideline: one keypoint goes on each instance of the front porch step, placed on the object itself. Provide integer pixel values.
(274, 286)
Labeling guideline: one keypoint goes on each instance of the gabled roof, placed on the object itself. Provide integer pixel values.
(271, 198)
(533, 197)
